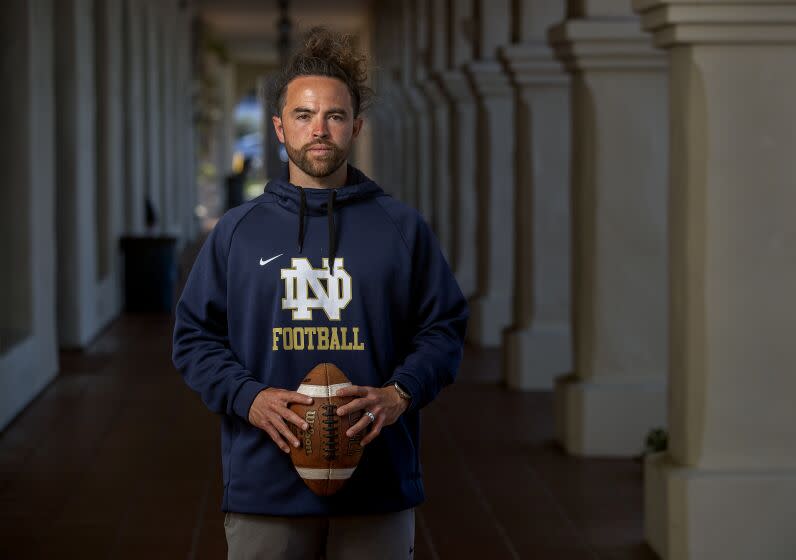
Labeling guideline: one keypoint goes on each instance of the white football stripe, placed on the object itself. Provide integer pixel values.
(325, 474)
(321, 390)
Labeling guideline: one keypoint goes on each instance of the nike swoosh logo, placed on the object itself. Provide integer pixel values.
(263, 263)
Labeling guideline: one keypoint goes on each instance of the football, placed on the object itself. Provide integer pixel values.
(326, 457)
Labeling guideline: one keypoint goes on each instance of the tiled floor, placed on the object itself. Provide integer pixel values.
(118, 459)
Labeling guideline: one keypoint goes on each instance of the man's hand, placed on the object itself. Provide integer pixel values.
(269, 412)
(385, 403)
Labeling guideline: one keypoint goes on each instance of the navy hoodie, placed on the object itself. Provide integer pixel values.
(262, 307)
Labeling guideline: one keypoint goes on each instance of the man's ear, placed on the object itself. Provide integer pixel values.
(280, 133)
(357, 126)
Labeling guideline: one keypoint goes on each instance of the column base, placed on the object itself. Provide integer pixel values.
(25, 371)
(692, 514)
(655, 505)
(609, 418)
(488, 317)
(535, 356)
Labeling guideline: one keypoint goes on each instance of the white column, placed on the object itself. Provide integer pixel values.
(617, 392)
(407, 164)
(463, 140)
(153, 175)
(491, 310)
(28, 344)
(433, 20)
(539, 346)
(422, 142)
(168, 51)
(393, 128)
(727, 486)
(226, 125)
(110, 156)
(397, 28)
(424, 106)
(407, 187)
(135, 116)
(185, 130)
(397, 156)
(379, 115)
(388, 57)
(76, 172)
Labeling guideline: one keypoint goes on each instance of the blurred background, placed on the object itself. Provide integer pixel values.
(612, 182)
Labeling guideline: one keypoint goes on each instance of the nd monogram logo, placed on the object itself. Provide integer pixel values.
(332, 292)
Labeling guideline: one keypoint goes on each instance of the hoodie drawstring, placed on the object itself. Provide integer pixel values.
(332, 244)
(302, 210)
(330, 215)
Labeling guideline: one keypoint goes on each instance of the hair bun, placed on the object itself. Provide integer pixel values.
(326, 53)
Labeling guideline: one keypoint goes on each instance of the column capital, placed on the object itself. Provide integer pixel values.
(534, 64)
(677, 22)
(489, 78)
(605, 44)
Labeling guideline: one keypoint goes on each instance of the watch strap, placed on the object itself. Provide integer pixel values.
(403, 393)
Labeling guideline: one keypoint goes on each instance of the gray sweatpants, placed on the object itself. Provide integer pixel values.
(367, 537)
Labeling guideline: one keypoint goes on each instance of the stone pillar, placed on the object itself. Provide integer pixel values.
(153, 175)
(392, 128)
(433, 21)
(168, 50)
(28, 345)
(387, 150)
(420, 143)
(410, 134)
(399, 157)
(390, 133)
(424, 104)
(491, 310)
(407, 171)
(186, 132)
(726, 488)
(539, 346)
(110, 156)
(377, 121)
(135, 117)
(395, 30)
(617, 392)
(463, 140)
(226, 127)
(183, 144)
(409, 121)
(76, 172)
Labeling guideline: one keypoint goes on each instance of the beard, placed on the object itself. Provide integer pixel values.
(317, 165)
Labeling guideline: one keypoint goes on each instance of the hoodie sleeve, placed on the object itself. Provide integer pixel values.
(440, 318)
(201, 350)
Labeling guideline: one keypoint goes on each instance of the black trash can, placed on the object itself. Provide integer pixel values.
(150, 272)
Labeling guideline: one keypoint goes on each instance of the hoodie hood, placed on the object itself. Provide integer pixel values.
(304, 201)
(358, 186)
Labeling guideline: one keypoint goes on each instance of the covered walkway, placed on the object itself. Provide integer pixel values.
(117, 458)
(611, 181)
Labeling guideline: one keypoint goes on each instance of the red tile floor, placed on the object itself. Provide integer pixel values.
(118, 459)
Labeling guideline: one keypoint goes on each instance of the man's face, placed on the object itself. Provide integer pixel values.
(317, 124)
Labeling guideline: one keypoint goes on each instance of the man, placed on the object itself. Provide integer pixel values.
(365, 287)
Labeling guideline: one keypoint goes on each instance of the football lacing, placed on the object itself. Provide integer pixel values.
(330, 432)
